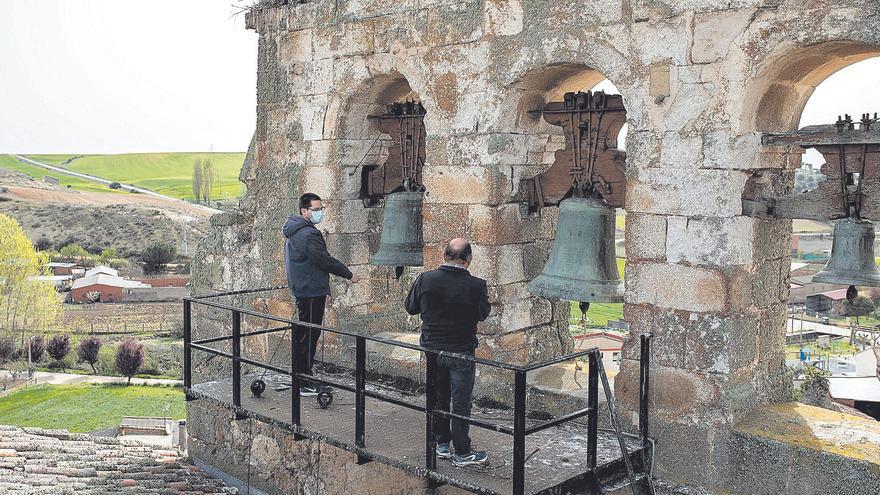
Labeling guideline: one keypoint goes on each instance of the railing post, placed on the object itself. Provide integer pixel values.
(593, 404)
(236, 359)
(295, 345)
(519, 432)
(359, 397)
(644, 387)
(430, 405)
(187, 341)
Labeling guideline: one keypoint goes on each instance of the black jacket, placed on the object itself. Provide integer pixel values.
(307, 263)
(451, 302)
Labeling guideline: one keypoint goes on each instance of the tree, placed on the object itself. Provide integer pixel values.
(43, 244)
(157, 255)
(58, 348)
(197, 179)
(107, 256)
(38, 348)
(861, 306)
(129, 358)
(88, 350)
(73, 252)
(26, 304)
(7, 349)
(209, 176)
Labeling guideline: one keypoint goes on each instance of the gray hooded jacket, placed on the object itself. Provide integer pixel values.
(307, 263)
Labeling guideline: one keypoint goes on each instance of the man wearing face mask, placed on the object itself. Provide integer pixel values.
(308, 266)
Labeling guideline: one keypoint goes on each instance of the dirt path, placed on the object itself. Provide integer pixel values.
(101, 180)
(75, 379)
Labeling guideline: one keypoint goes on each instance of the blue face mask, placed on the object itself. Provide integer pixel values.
(317, 216)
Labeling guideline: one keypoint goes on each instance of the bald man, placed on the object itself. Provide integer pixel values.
(452, 302)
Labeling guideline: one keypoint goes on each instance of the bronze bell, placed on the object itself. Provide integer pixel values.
(852, 255)
(582, 264)
(401, 243)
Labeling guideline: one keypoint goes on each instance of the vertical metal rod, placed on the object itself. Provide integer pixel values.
(615, 423)
(593, 415)
(236, 359)
(187, 340)
(295, 345)
(359, 397)
(430, 405)
(644, 388)
(519, 432)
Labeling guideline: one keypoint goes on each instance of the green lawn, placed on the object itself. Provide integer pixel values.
(165, 173)
(600, 313)
(11, 163)
(84, 408)
(838, 347)
(52, 159)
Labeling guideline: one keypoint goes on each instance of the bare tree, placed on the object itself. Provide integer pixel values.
(197, 179)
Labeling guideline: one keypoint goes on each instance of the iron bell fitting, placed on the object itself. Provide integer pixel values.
(852, 255)
(582, 264)
(401, 243)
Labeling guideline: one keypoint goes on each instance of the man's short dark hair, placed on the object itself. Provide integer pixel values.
(462, 253)
(305, 201)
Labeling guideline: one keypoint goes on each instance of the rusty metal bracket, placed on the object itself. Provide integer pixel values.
(405, 123)
(852, 169)
(590, 161)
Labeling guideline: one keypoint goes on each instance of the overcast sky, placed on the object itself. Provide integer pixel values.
(113, 76)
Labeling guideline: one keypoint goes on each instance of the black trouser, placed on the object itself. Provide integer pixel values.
(310, 310)
(455, 382)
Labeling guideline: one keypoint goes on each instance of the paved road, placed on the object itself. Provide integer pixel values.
(75, 379)
(108, 182)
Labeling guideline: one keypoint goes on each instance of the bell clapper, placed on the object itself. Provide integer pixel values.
(398, 272)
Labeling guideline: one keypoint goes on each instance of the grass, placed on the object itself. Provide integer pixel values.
(11, 163)
(165, 173)
(837, 347)
(809, 226)
(600, 313)
(52, 159)
(84, 408)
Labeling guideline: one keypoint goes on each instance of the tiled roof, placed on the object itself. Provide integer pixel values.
(37, 461)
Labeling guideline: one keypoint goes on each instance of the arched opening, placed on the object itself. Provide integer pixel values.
(548, 147)
(808, 88)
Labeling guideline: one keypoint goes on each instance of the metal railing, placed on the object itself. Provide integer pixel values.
(519, 430)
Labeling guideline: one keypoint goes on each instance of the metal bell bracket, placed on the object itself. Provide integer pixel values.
(590, 160)
(402, 171)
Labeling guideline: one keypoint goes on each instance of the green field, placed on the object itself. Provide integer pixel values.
(10, 162)
(600, 313)
(84, 408)
(165, 173)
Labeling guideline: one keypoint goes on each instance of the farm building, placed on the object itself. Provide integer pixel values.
(108, 287)
(825, 302)
(59, 268)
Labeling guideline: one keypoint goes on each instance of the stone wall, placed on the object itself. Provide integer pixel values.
(701, 81)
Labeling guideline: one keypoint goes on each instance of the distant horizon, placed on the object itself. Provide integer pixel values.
(124, 153)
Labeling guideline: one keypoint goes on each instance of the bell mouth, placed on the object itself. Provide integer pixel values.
(568, 289)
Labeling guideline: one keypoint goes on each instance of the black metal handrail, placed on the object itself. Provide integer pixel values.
(519, 431)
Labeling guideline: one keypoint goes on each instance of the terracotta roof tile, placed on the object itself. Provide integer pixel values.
(36, 461)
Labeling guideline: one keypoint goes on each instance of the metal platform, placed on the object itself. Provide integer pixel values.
(560, 455)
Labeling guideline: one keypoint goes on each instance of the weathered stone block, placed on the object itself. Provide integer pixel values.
(645, 236)
(443, 222)
(681, 151)
(500, 264)
(676, 286)
(711, 193)
(710, 241)
(504, 224)
(715, 32)
(465, 185)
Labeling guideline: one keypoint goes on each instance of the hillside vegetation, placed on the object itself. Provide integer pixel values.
(164, 173)
(9, 162)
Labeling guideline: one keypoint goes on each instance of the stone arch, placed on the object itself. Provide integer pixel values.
(777, 96)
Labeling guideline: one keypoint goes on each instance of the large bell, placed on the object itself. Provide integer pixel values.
(582, 264)
(401, 243)
(852, 255)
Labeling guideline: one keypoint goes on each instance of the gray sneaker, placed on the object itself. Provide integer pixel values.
(470, 459)
(443, 451)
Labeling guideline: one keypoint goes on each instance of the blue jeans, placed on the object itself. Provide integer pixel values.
(455, 382)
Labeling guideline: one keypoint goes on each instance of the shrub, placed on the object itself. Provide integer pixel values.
(129, 358)
(88, 350)
(7, 349)
(38, 348)
(74, 251)
(43, 244)
(156, 255)
(58, 348)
